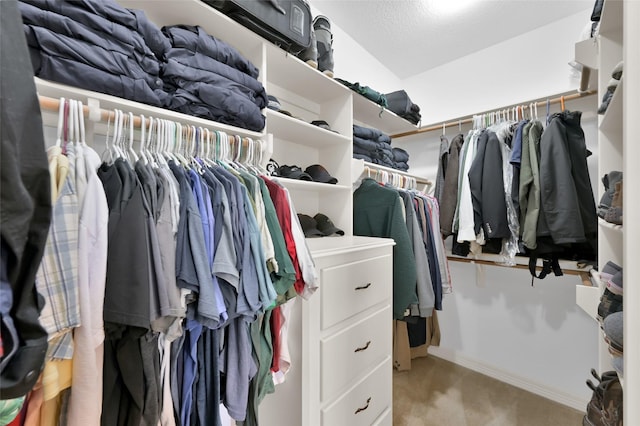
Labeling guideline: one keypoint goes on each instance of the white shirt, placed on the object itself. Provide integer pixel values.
(85, 403)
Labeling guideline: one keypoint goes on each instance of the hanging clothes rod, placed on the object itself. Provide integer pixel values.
(469, 119)
(584, 275)
(53, 104)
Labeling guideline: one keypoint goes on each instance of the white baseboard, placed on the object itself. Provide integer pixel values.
(492, 371)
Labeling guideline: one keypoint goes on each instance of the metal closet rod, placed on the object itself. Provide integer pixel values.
(525, 105)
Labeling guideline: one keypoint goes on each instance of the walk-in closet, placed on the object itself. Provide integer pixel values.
(319, 212)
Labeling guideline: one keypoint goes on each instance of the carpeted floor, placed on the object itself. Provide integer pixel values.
(437, 392)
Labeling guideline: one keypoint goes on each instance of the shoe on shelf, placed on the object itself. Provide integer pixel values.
(609, 304)
(617, 71)
(310, 54)
(324, 42)
(609, 181)
(605, 406)
(614, 215)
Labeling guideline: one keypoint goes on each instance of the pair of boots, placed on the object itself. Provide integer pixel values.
(320, 54)
(605, 407)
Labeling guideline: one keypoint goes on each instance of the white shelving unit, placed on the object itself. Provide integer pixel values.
(320, 389)
(631, 243)
(618, 39)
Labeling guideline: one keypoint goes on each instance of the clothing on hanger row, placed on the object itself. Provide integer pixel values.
(516, 185)
(168, 276)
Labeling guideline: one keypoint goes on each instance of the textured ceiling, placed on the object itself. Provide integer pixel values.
(413, 36)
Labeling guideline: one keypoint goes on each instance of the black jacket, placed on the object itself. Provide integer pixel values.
(487, 188)
(566, 196)
(25, 208)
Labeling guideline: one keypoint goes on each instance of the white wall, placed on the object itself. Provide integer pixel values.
(534, 337)
(354, 64)
(529, 66)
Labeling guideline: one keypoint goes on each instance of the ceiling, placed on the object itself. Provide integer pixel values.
(413, 36)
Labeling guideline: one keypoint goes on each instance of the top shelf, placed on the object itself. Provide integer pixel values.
(192, 12)
(370, 114)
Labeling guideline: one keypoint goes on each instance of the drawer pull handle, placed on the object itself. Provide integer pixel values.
(363, 348)
(363, 408)
(363, 287)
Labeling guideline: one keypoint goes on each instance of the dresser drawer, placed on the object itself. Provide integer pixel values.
(351, 353)
(363, 404)
(352, 287)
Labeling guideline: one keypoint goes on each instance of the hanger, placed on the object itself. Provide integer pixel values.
(444, 129)
(130, 145)
(562, 103)
(143, 128)
(60, 122)
(83, 140)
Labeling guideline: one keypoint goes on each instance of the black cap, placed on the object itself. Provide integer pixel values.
(309, 226)
(293, 172)
(273, 104)
(326, 226)
(323, 124)
(319, 174)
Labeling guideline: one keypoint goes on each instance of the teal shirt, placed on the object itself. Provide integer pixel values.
(377, 212)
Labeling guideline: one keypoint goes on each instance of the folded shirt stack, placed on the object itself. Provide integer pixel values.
(208, 78)
(374, 146)
(96, 45)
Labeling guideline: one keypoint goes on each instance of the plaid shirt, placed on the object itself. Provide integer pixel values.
(57, 277)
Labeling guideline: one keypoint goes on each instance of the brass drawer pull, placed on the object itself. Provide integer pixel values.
(363, 287)
(363, 408)
(363, 348)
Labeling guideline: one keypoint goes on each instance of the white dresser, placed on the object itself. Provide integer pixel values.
(340, 341)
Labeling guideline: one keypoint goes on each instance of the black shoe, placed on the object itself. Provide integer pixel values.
(609, 304)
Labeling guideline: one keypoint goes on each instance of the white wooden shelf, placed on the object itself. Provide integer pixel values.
(609, 226)
(296, 184)
(586, 53)
(370, 114)
(293, 129)
(108, 102)
(567, 266)
(611, 122)
(588, 298)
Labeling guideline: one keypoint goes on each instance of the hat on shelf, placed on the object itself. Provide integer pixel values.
(323, 124)
(326, 226)
(615, 284)
(319, 174)
(613, 330)
(309, 226)
(294, 172)
(273, 104)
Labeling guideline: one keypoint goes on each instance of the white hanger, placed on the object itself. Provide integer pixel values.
(130, 146)
(60, 122)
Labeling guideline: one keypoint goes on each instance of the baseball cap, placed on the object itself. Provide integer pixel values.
(326, 226)
(309, 226)
(319, 174)
(293, 172)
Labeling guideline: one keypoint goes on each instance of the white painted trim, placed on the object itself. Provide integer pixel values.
(518, 381)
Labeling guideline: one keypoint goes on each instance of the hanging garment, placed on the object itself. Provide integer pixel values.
(85, 400)
(448, 199)
(486, 183)
(443, 158)
(377, 212)
(25, 207)
(424, 284)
